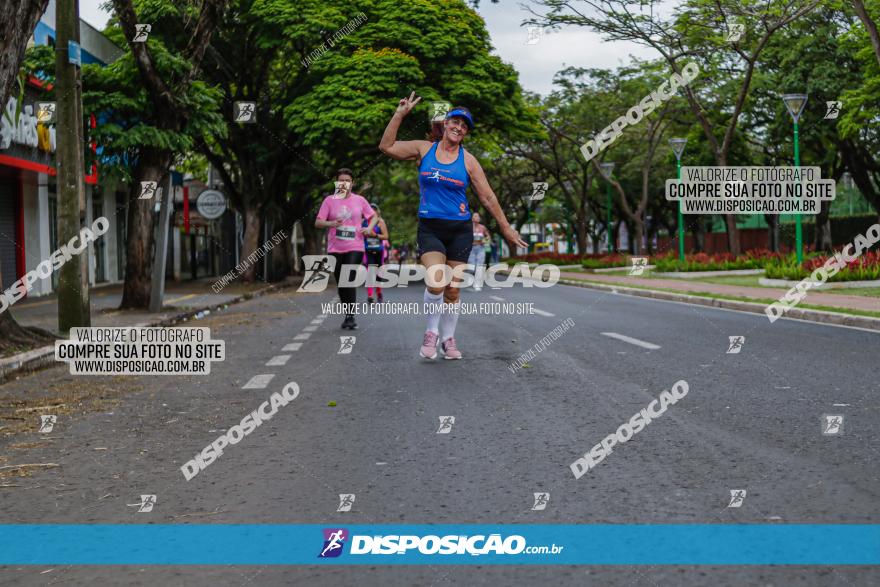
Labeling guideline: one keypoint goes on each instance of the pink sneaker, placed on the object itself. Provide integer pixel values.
(429, 345)
(450, 351)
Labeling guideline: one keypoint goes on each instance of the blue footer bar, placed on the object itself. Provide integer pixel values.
(223, 544)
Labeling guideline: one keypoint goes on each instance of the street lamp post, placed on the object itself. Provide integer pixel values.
(677, 149)
(795, 103)
(607, 169)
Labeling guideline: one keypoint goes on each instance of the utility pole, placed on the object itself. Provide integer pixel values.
(73, 280)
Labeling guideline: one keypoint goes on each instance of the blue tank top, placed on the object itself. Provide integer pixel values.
(443, 187)
(370, 243)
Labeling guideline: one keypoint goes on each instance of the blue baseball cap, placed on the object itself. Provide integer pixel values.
(462, 113)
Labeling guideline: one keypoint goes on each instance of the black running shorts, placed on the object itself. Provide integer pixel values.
(453, 238)
(374, 257)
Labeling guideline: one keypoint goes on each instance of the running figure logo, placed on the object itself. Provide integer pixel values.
(735, 33)
(245, 112)
(736, 344)
(832, 109)
(346, 344)
(334, 541)
(638, 265)
(141, 32)
(45, 112)
(832, 424)
(539, 188)
(148, 190)
(435, 175)
(346, 500)
(47, 423)
(541, 500)
(446, 423)
(319, 268)
(439, 110)
(146, 504)
(534, 33)
(736, 498)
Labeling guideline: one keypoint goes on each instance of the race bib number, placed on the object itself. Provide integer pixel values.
(374, 243)
(478, 236)
(345, 233)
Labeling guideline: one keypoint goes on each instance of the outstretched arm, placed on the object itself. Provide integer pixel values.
(402, 150)
(490, 201)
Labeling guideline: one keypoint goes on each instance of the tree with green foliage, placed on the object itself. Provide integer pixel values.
(156, 110)
(697, 31)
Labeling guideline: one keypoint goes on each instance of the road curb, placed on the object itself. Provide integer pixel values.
(755, 308)
(40, 358)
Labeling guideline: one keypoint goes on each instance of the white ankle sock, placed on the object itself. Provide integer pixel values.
(448, 320)
(434, 316)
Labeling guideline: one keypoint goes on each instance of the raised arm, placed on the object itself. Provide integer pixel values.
(490, 201)
(402, 150)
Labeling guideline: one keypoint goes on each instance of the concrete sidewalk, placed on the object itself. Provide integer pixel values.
(841, 301)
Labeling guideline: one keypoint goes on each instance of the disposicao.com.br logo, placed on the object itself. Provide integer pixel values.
(451, 544)
(319, 268)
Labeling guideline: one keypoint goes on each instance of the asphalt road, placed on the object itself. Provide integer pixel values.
(751, 420)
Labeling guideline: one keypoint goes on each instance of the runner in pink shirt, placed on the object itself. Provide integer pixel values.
(343, 213)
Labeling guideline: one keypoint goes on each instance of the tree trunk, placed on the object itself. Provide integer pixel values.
(581, 231)
(773, 231)
(870, 26)
(15, 338)
(638, 236)
(252, 225)
(699, 231)
(822, 238)
(152, 166)
(21, 17)
(282, 257)
(733, 243)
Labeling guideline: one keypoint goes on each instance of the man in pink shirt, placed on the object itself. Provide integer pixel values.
(343, 213)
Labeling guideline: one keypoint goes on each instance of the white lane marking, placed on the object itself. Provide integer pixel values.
(497, 299)
(278, 361)
(840, 405)
(317, 321)
(630, 340)
(294, 346)
(310, 328)
(542, 313)
(304, 336)
(259, 381)
(493, 287)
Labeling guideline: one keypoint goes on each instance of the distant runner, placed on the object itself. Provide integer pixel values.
(445, 232)
(376, 249)
(477, 257)
(343, 213)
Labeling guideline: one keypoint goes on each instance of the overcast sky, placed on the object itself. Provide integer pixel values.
(536, 63)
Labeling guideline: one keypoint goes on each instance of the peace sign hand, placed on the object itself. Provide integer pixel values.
(407, 104)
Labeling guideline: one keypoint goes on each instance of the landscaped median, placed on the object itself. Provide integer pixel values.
(726, 281)
(830, 308)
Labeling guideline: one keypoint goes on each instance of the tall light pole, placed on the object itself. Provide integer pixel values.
(677, 149)
(795, 103)
(607, 168)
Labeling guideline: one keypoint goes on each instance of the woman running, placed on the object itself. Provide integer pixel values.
(445, 231)
(343, 213)
(375, 249)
